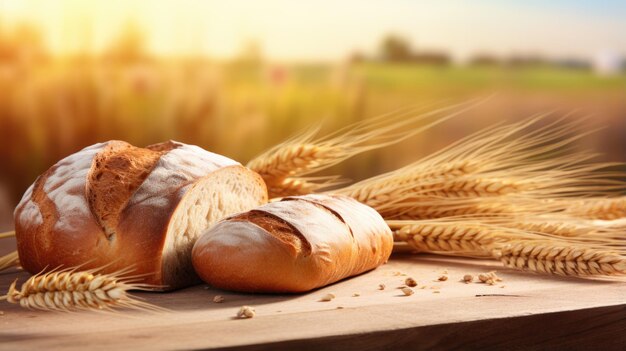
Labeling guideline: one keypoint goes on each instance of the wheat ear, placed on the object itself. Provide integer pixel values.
(71, 290)
(602, 208)
(561, 258)
(301, 185)
(305, 154)
(444, 238)
(7, 234)
(9, 260)
(519, 163)
(569, 227)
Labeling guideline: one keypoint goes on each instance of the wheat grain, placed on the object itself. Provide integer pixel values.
(70, 290)
(603, 208)
(9, 260)
(561, 258)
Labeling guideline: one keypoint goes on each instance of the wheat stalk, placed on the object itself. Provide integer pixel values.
(71, 290)
(9, 260)
(519, 163)
(602, 208)
(304, 154)
(561, 258)
(7, 234)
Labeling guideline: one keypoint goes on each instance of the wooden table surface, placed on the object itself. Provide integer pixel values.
(525, 311)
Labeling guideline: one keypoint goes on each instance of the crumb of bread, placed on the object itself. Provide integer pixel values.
(381, 286)
(489, 278)
(468, 278)
(408, 291)
(410, 282)
(218, 299)
(246, 312)
(356, 295)
(443, 278)
(327, 297)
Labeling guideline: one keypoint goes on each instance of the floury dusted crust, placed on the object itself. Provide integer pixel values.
(294, 245)
(114, 205)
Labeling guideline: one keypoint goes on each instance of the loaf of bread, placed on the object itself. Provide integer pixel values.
(294, 245)
(117, 206)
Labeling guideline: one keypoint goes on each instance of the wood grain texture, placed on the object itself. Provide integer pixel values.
(536, 313)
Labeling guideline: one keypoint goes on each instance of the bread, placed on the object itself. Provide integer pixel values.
(294, 245)
(119, 206)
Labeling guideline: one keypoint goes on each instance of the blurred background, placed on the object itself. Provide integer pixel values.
(237, 77)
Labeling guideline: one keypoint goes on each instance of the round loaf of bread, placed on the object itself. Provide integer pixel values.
(294, 245)
(116, 206)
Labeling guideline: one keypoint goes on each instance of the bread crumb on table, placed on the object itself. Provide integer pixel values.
(381, 286)
(408, 291)
(356, 295)
(327, 297)
(218, 299)
(443, 278)
(410, 282)
(468, 278)
(246, 312)
(489, 278)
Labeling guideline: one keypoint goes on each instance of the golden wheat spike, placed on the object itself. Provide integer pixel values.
(451, 238)
(71, 290)
(520, 163)
(561, 258)
(599, 208)
(9, 260)
(304, 154)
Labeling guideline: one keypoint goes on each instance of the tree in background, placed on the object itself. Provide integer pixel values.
(395, 48)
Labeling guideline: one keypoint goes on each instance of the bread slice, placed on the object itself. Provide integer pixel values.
(114, 206)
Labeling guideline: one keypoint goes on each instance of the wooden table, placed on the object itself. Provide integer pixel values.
(523, 311)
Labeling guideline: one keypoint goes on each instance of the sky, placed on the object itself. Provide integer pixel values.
(331, 30)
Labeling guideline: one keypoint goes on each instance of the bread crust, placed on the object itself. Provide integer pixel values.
(67, 220)
(252, 252)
